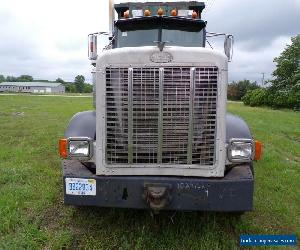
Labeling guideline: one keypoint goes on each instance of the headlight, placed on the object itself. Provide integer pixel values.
(79, 148)
(240, 150)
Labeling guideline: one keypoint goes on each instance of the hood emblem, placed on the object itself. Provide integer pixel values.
(161, 57)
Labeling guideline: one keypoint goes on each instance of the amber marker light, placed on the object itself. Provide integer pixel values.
(63, 148)
(173, 12)
(126, 14)
(160, 12)
(194, 14)
(258, 150)
(147, 13)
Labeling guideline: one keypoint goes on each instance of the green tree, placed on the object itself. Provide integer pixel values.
(255, 97)
(60, 80)
(2, 78)
(25, 78)
(287, 72)
(11, 79)
(284, 91)
(79, 83)
(88, 88)
(70, 88)
(237, 90)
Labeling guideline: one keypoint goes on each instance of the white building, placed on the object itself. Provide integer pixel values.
(33, 87)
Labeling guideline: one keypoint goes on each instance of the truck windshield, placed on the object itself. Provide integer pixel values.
(173, 31)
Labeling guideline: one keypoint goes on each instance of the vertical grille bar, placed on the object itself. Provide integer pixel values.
(176, 100)
(116, 115)
(205, 115)
(191, 117)
(130, 116)
(145, 94)
(160, 116)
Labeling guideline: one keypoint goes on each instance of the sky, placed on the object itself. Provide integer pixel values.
(48, 39)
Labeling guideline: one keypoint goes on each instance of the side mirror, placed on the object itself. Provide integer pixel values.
(228, 47)
(92, 44)
(92, 49)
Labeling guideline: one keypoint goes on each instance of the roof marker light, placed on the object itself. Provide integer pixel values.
(194, 14)
(160, 12)
(173, 12)
(147, 13)
(126, 14)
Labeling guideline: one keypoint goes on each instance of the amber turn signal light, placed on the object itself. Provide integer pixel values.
(63, 148)
(258, 150)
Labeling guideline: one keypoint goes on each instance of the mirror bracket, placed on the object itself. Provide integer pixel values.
(228, 43)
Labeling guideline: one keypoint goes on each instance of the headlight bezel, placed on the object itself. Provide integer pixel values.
(232, 144)
(90, 144)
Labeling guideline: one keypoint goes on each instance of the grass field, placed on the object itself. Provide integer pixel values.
(33, 216)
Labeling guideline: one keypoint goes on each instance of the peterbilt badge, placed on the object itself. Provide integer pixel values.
(161, 57)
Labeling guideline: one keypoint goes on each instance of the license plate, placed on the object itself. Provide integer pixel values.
(78, 186)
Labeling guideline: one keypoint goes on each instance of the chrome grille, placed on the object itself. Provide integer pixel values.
(161, 115)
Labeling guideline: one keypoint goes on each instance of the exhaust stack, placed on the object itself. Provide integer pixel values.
(111, 12)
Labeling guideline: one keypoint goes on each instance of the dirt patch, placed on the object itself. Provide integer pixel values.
(52, 217)
(17, 113)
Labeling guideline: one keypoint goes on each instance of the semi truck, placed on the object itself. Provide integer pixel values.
(159, 136)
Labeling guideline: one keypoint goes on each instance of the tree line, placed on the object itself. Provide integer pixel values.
(78, 86)
(236, 90)
(283, 90)
(21, 78)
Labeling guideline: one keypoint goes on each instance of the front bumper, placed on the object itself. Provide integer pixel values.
(234, 192)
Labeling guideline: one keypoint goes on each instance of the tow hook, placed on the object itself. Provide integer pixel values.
(157, 196)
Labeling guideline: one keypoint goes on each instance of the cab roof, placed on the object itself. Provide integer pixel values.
(191, 5)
